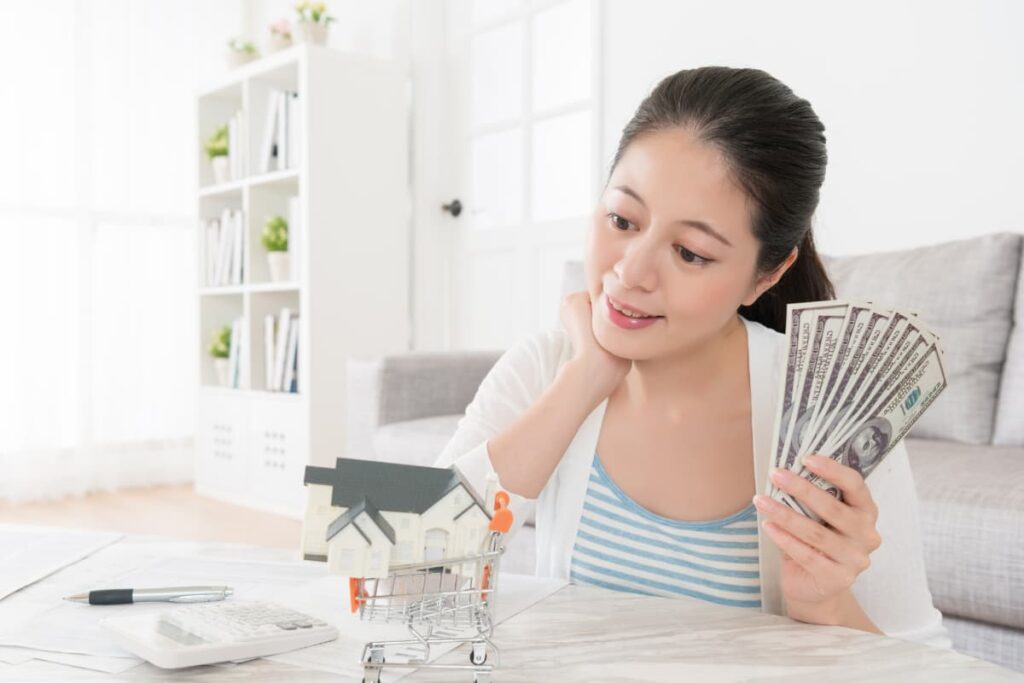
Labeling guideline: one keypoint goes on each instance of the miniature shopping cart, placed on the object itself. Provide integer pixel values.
(444, 601)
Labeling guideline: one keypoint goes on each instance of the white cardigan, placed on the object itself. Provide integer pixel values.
(893, 591)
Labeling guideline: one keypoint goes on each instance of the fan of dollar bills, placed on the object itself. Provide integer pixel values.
(858, 376)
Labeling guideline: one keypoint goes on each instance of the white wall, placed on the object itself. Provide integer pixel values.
(922, 102)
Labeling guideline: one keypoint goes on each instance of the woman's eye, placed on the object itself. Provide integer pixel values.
(619, 222)
(690, 257)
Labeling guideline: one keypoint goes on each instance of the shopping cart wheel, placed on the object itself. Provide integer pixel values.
(478, 655)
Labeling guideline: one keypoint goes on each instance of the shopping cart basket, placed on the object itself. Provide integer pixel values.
(443, 601)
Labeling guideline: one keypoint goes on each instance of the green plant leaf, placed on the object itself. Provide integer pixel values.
(220, 345)
(275, 234)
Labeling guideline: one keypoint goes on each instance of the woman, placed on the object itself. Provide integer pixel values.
(642, 430)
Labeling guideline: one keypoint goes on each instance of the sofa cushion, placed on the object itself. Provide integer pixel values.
(1009, 428)
(962, 290)
(420, 442)
(972, 521)
(414, 442)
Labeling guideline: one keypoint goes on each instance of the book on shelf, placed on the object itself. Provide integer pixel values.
(236, 146)
(225, 249)
(294, 119)
(289, 367)
(238, 353)
(279, 148)
(294, 236)
(281, 342)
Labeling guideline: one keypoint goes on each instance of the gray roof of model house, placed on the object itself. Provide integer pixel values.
(371, 486)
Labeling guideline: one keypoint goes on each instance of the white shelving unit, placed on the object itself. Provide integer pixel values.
(351, 292)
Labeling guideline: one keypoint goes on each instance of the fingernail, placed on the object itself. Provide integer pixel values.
(813, 460)
(778, 474)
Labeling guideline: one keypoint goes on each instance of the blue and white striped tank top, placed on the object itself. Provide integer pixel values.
(624, 546)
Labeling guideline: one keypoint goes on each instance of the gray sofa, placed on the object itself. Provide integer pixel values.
(966, 452)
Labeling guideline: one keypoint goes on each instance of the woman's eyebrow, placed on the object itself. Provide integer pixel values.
(700, 225)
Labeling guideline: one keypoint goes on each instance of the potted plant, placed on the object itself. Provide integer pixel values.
(313, 21)
(220, 349)
(280, 35)
(216, 147)
(240, 51)
(275, 241)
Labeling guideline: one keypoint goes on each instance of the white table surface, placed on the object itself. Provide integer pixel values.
(582, 633)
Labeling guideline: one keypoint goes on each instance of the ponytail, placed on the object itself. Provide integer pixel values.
(806, 280)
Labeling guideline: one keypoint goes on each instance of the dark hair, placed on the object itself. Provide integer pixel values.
(775, 146)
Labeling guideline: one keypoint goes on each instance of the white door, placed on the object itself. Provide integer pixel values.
(523, 134)
(435, 544)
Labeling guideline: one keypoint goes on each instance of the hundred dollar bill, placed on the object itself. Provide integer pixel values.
(913, 343)
(849, 330)
(874, 369)
(821, 318)
(868, 321)
(873, 437)
(907, 361)
(794, 331)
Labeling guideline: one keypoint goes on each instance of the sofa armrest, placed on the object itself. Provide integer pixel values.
(410, 386)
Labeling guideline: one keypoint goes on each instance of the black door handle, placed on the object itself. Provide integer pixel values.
(454, 207)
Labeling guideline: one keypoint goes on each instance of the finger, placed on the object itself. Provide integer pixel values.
(850, 481)
(826, 572)
(816, 535)
(838, 515)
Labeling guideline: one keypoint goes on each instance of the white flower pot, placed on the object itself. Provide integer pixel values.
(220, 169)
(220, 366)
(311, 32)
(238, 58)
(278, 42)
(278, 263)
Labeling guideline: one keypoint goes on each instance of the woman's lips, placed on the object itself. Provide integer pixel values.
(624, 321)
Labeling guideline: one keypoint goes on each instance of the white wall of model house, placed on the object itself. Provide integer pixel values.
(435, 534)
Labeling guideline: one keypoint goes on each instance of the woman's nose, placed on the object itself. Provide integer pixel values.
(637, 267)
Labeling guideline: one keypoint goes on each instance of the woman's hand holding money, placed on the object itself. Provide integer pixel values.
(820, 562)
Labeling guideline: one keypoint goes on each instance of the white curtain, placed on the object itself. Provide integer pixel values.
(98, 333)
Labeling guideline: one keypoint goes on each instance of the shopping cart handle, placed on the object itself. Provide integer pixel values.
(502, 519)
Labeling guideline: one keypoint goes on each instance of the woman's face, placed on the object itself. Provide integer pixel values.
(646, 248)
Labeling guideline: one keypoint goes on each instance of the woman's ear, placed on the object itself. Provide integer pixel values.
(768, 281)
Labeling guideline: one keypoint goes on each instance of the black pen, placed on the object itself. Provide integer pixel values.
(126, 596)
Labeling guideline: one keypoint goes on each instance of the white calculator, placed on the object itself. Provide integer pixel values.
(206, 633)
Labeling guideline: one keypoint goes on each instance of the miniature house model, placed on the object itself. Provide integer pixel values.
(364, 516)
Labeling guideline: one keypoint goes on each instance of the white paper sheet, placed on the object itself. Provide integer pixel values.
(328, 598)
(13, 655)
(38, 619)
(29, 554)
(74, 628)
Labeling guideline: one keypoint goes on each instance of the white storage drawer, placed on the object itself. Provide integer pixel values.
(278, 451)
(222, 465)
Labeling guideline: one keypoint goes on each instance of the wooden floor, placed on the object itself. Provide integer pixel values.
(173, 511)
